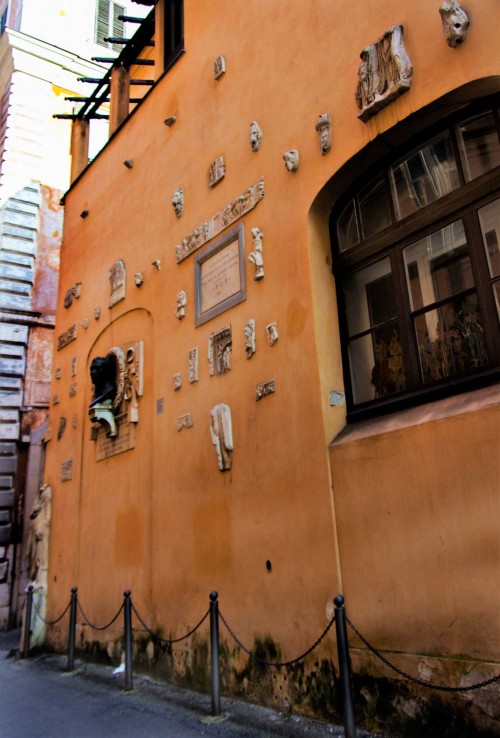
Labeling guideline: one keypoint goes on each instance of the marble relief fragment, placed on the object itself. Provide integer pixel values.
(219, 67)
(324, 129)
(117, 275)
(221, 431)
(177, 382)
(184, 421)
(455, 22)
(193, 365)
(217, 171)
(180, 311)
(255, 257)
(220, 346)
(178, 202)
(265, 389)
(255, 135)
(272, 333)
(249, 332)
(292, 160)
(138, 279)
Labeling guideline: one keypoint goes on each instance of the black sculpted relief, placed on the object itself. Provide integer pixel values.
(103, 375)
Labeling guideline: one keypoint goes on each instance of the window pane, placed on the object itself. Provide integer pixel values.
(374, 206)
(438, 266)
(347, 227)
(479, 145)
(424, 176)
(377, 364)
(451, 339)
(369, 297)
(489, 217)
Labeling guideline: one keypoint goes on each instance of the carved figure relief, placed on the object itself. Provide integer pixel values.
(67, 337)
(217, 171)
(67, 470)
(219, 67)
(85, 323)
(265, 389)
(138, 279)
(249, 332)
(272, 333)
(292, 160)
(74, 421)
(255, 257)
(72, 389)
(221, 431)
(184, 421)
(255, 135)
(97, 313)
(180, 311)
(193, 365)
(57, 373)
(178, 202)
(455, 21)
(324, 129)
(118, 383)
(176, 382)
(385, 73)
(73, 293)
(55, 399)
(235, 209)
(62, 427)
(74, 365)
(220, 346)
(117, 275)
(38, 536)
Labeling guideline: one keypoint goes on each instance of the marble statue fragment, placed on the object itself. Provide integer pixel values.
(220, 346)
(249, 332)
(193, 365)
(292, 160)
(255, 257)
(255, 135)
(176, 382)
(178, 202)
(455, 22)
(117, 275)
(324, 130)
(216, 171)
(138, 279)
(180, 311)
(272, 333)
(221, 432)
(219, 67)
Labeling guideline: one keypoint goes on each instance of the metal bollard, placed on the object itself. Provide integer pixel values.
(344, 667)
(72, 628)
(27, 621)
(127, 617)
(214, 652)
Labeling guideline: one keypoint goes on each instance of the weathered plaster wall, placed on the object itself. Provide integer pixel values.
(162, 519)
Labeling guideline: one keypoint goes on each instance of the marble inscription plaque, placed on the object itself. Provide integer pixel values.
(107, 446)
(220, 276)
(67, 470)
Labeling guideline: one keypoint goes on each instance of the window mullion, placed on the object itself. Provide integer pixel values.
(405, 320)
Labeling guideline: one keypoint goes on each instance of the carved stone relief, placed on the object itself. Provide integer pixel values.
(72, 389)
(118, 383)
(55, 399)
(249, 332)
(38, 546)
(216, 171)
(184, 421)
(193, 365)
(221, 431)
(292, 160)
(178, 202)
(219, 67)
(235, 209)
(160, 406)
(177, 382)
(74, 421)
(85, 323)
(97, 313)
(272, 333)
(265, 389)
(57, 373)
(455, 21)
(157, 264)
(67, 337)
(72, 294)
(255, 257)
(180, 311)
(255, 135)
(67, 470)
(384, 74)
(324, 129)
(74, 365)
(117, 275)
(62, 427)
(138, 279)
(220, 346)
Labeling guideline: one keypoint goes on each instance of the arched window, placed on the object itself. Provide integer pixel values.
(416, 254)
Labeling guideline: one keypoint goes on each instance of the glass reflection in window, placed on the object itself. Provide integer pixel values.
(424, 176)
(479, 145)
(374, 206)
(489, 218)
(347, 227)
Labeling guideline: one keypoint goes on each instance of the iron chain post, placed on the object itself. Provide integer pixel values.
(214, 652)
(27, 621)
(72, 628)
(127, 617)
(344, 667)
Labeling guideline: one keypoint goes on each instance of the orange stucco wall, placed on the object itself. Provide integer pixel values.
(162, 519)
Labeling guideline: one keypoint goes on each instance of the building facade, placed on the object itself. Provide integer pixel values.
(277, 350)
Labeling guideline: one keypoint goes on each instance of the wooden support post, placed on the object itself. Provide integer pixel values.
(79, 147)
(119, 97)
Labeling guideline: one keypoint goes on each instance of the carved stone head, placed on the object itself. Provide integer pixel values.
(255, 135)
(291, 159)
(455, 22)
(138, 279)
(324, 129)
(178, 201)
